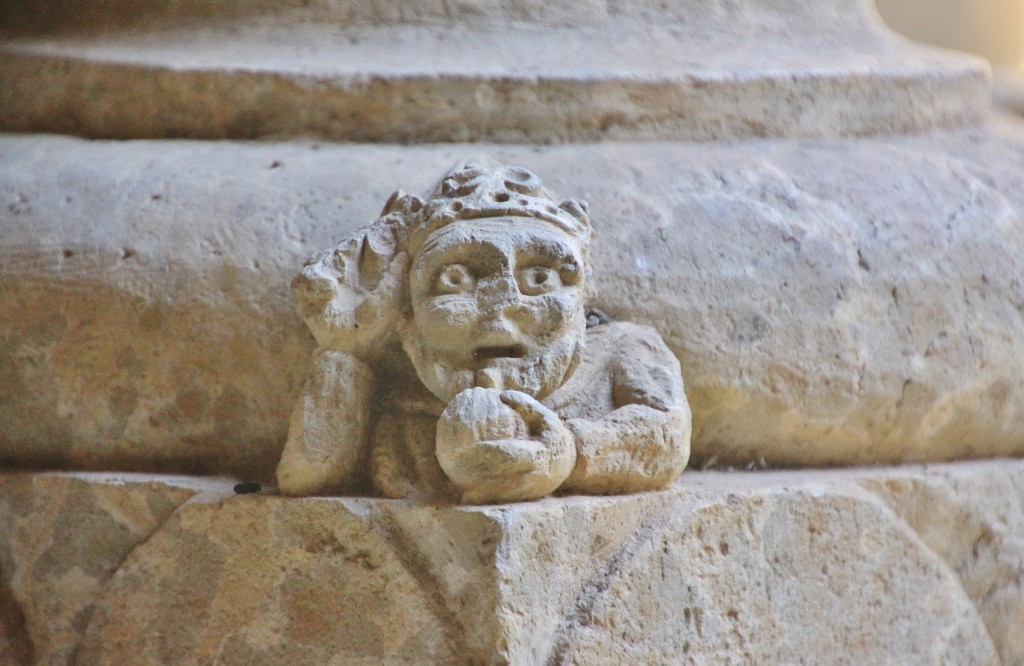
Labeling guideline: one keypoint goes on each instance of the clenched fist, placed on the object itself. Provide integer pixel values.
(502, 446)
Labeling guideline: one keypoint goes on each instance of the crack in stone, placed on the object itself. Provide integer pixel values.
(15, 636)
(89, 609)
(417, 566)
(594, 590)
(941, 560)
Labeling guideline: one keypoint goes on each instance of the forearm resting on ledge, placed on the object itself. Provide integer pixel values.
(633, 448)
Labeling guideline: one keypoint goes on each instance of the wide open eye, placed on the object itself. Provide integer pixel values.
(535, 280)
(455, 279)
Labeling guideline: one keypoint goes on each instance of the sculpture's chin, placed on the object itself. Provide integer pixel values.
(537, 376)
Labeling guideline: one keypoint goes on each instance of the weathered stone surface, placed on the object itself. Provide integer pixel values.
(497, 71)
(61, 538)
(260, 580)
(15, 643)
(830, 302)
(772, 567)
(910, 565)
(972, 516)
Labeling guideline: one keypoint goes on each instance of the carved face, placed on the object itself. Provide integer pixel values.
(496, 302)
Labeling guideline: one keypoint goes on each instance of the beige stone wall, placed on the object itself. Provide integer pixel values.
(830, 302)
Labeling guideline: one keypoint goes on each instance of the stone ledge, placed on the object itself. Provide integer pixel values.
(825, 17)
(687, 73)
(911, 564)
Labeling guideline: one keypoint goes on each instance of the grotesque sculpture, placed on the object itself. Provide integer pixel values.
(457, 360)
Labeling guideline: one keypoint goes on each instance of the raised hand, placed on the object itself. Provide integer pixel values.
(350, 295)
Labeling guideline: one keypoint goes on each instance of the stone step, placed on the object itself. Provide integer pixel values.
(759, 69)
(831, 302)
(910, 565)
(53, 16)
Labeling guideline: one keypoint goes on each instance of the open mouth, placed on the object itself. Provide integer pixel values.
(505, 351)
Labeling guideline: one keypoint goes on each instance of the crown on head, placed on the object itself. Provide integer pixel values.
(473, 191)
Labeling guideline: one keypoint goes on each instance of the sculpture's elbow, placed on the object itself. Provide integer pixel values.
(677, 428)
(635, 448)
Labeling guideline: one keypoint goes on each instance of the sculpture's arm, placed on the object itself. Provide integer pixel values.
(350, 298)
(330, 427)
(645, 442)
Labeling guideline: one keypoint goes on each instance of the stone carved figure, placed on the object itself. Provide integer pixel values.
(457, 360)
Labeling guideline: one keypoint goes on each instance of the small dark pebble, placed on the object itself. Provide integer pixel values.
(246, 487)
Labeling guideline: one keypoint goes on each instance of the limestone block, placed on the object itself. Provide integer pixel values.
(972, 516)
(520, 71)
(15, 644)
(831, 302)
(773, 567)
(61, 538)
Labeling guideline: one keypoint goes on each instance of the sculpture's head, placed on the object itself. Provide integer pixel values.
(497, 283)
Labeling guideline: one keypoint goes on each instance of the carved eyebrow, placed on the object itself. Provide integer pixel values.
(553, 251)
(433, 251)
(477, 255)
(428, 246)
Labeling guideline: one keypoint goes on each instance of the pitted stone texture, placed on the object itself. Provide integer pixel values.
(135, 359)
(15, 643)
(772, 567)
(268, 580)
(972, 516)
(61, 538)
(830, 302)
(519, 71)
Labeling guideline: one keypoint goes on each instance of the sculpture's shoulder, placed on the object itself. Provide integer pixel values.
(642, 369)
(604, 346)
(621, 360)
(626, 342)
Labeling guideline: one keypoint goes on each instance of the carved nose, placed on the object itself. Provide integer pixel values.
(498, 293)
(499, 297)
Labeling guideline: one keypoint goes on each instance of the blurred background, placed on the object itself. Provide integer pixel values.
(992, 29)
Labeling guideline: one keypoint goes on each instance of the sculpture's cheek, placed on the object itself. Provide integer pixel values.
(448, 321)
